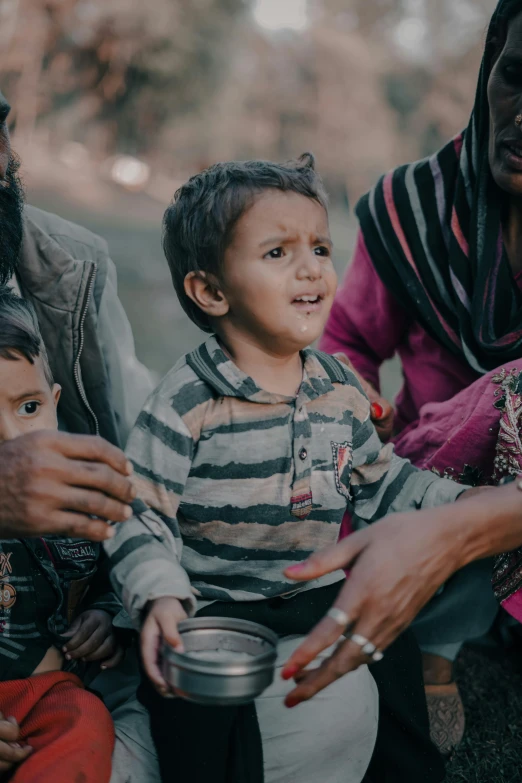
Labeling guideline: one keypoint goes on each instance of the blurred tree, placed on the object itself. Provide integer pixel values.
(123, 66)
(370, 84)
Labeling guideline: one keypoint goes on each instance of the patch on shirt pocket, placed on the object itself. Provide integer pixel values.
(343, 462)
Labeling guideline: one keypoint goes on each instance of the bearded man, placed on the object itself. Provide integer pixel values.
(56, 482)
(69, 482)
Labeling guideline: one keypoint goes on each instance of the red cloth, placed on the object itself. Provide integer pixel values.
(69, 728)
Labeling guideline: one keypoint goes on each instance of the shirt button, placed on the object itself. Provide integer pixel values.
(303, 454)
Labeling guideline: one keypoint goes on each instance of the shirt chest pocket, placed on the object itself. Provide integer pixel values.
(75, 559)
(343, 464)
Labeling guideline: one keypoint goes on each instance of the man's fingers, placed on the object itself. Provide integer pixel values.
(91, 502)
(332, 558)
(96, 475)
(67, 523)
(94, 449)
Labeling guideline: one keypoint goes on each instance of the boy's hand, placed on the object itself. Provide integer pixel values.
(161, 625)
(93, 639)
(12, 752)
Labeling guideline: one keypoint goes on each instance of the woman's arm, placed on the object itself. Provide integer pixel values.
(396, 567)
(366, 323)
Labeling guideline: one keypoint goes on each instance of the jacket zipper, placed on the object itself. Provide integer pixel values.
(79, 385)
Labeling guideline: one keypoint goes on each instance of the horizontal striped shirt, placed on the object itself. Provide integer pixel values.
(238, 483)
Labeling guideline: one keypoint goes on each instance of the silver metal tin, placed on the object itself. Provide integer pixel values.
(221, 682)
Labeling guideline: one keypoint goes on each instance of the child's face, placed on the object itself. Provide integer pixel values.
(278, 278)
(27, 402)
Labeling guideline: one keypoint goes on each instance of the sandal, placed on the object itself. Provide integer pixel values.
(446, 713)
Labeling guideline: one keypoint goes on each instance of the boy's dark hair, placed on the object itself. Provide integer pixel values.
(199, 224)
(19, 331)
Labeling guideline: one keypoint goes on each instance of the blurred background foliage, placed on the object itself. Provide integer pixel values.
(181, 83)
(116, 102)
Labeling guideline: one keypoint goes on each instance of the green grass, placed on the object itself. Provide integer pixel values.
(491, 686)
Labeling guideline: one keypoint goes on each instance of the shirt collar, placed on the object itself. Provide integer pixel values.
(213, 366)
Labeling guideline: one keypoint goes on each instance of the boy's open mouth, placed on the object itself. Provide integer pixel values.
(308, 303)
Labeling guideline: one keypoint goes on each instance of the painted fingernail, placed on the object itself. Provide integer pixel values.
(295, 569)
(377, 410)
(289, 671)
(291, 702)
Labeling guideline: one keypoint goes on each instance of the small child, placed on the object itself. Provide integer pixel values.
(247, 456)
(55, 612)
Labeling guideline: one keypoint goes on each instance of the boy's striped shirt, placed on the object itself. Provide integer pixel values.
(239, 483)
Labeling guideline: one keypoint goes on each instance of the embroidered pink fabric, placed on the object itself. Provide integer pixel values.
(449, 418)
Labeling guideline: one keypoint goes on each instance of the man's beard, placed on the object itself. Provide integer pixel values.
(11, 221)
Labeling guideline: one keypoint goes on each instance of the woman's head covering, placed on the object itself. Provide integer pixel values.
(433, 230)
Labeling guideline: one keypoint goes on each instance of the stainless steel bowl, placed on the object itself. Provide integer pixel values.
(226, 661)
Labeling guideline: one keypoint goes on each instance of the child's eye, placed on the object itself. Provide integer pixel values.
(277, 252)
(322, 250)
(29, 408)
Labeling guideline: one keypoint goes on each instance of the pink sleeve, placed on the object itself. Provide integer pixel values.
(366, 323)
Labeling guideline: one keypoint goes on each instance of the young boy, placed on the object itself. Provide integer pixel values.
(252, 448)
(55, 613)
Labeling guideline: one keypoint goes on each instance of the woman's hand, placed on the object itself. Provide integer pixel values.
(93, 639)
(381, 412)
(161, 625)
(396, 567)
(12, 751)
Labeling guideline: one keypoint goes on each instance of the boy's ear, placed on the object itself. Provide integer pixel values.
(56, 391)
(205, 292)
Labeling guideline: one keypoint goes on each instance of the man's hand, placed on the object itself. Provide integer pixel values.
(93, 639)
(12, 752)
(161, 625)
(54, 483)
(396, 566)
(381, 412)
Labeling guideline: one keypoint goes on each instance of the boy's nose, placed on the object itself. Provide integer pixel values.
(310, 267)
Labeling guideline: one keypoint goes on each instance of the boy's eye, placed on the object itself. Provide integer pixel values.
(277, 252)
(322, 250)
(29, 408)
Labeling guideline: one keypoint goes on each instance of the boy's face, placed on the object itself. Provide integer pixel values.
(27, 402)
(279, 280)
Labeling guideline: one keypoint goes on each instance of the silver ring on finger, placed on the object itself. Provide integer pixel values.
(339, 617)
(367, 648)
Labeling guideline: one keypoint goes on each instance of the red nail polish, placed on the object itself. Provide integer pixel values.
(294, 569)
(377, 410)
(289, 671)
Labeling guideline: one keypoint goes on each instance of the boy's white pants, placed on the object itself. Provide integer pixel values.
(329, 739)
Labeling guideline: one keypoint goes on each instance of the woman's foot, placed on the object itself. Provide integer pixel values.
(445, 708)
